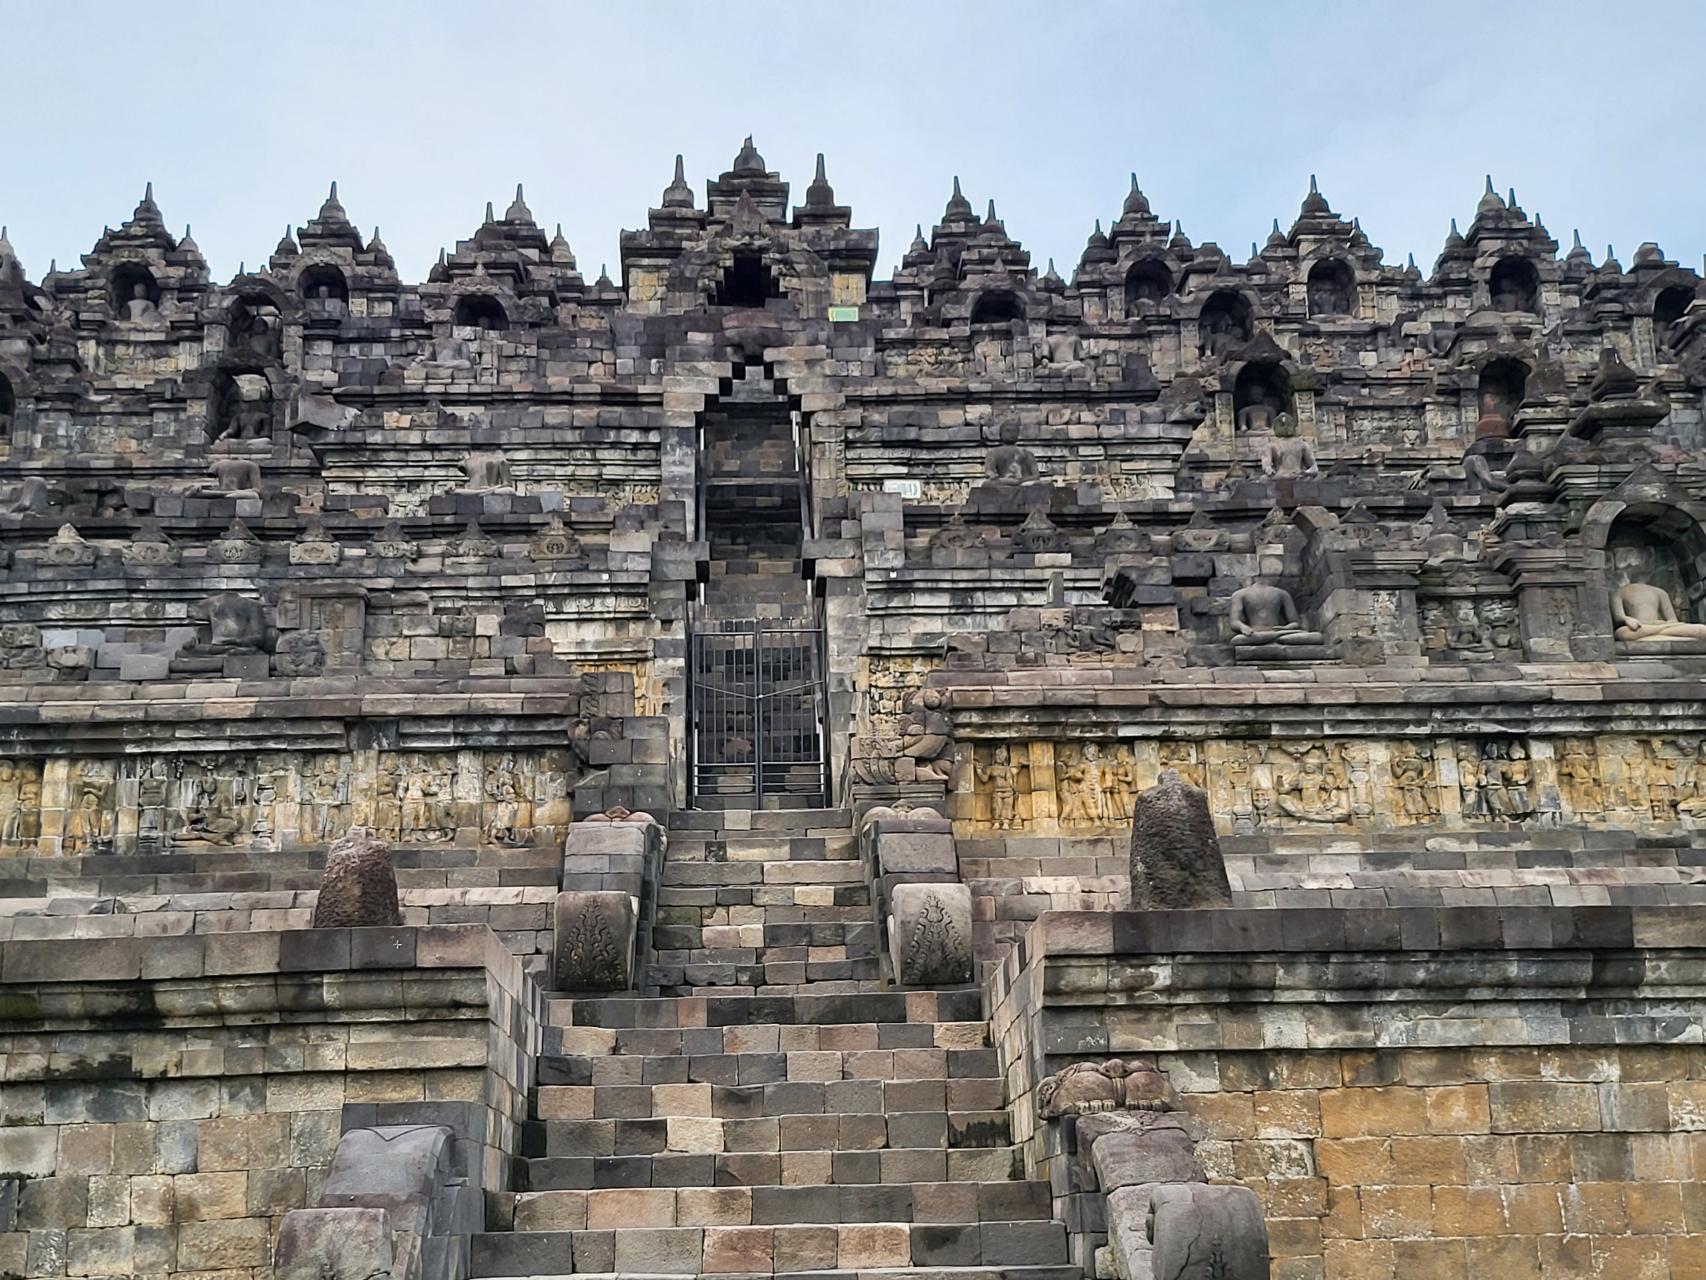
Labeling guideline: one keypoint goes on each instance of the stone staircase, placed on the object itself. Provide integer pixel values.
(767, 1108)
(767, 902)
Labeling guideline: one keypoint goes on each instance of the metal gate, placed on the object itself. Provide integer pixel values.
(758, 709)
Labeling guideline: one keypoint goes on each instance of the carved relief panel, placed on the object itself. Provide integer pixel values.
(1655, 782)
(271, 800)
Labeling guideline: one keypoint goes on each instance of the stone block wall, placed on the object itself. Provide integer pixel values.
(1410, 1092)
(167, 1101)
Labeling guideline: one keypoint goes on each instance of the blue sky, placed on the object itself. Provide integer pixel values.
(242, 113)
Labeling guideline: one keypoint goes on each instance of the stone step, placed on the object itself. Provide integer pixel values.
(734, 846)
(861, 1247)
(771, 1168)
(789, 1131)
(759, 821)
(818, 986)
(892, 1066)
(744, 1038)
(767, 974)
(672, 933)
(964, 1005)
(772, 1098)
(1041, 1271)
(773, 1205)
(840, 871)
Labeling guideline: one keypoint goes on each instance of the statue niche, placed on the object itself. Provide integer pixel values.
(256, 326)
(135, 295)
(1260, 395)
(240, 408)
(1332, 289)
(1225, 323)
(1654, 595)
(8, 409)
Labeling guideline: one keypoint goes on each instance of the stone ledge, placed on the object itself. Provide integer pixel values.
(1376, 929)
(298, 951)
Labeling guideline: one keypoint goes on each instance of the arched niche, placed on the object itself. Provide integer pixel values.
(324, 284)
(1498, 394)
(1332, 288)
(997, 306)
(240, 406)
(480, 311)
(1514, 285)
(1260, 393)
(131, 284)
(1668, 307)
(256, 325)
(1148, 282)
(8, 408)
(1225, 322)
(747, 282)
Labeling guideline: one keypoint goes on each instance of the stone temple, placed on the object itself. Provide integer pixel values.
(1192, 770)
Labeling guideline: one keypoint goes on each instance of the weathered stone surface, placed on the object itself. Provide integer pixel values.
(1088, 1088)
(929, 930)
(1207, 1233)
(1142, 1148)
(1175, 854)
(359, 888)
(334, 1244)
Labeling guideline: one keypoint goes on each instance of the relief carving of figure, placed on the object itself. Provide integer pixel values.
(1412, 774)
(1664, 760)
(20, 824)
(1083, 801)
(998, 774)
(1119, 784)
(1519, 781)
(13, 779)
(323, 788)
(1471, 782)
(89, 825)
(1692, 801)
(1182, 758)
(1314, 791)
(1579, 769)
(503, 813)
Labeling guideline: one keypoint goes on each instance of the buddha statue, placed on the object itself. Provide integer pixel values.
(139, 308)
(1645, 614)
(232, 478)
(1265, 614)
(1288, 455)
(1010, 462)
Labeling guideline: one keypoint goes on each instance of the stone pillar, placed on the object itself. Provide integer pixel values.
(602, 917)
(923, 910)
